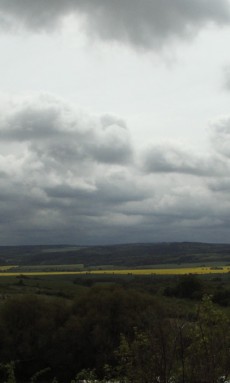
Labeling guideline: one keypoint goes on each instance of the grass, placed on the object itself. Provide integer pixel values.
(5, 268)
(50, 268)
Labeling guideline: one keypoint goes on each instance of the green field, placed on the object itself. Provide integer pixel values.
(5, 268)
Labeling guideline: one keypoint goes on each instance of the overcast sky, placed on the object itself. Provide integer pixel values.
(114, 121)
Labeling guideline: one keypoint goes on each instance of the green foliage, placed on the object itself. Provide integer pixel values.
(38, 374)
(9, 369)
(188, 286)
(208, 355)
(151, 355)
(86, 375)
(222, 297)
(66, 336)
(179, 351)
(113, 333)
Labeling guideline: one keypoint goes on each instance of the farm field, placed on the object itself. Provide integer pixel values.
(60, 270)
(168, 271)
(62, 304)
(5, 268)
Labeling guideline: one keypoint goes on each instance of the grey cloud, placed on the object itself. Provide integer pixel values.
(108, 120)
(69, 177)
(66, 191)
(34, 14)
(105, 195)
(148, 23)
(141, 23)
(172, 159)
(223, 186)
(3, 174)
(121, 188)
(39, 118)
(114, 145)
(220, 137)
(56, 132)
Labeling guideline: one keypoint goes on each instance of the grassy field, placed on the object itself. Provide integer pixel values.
(151, 271)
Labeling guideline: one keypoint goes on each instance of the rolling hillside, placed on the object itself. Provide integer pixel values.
(123, 255)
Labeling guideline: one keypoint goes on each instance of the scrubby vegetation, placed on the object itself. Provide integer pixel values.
(130, 329)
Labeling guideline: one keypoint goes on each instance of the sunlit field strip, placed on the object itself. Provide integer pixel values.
(176, 271)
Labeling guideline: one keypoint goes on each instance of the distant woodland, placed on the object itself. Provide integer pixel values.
(126, 255)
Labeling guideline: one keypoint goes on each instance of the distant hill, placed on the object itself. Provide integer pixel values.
(122, 255)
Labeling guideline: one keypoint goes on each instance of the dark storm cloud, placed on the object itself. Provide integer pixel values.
(61, 170)
(108, 191)
(141, 23)
(69, 177)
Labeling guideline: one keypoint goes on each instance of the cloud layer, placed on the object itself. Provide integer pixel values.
(141, 23)
(67, 177)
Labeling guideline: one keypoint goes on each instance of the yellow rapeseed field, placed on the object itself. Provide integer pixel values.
(169, 271)
(176, 271)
